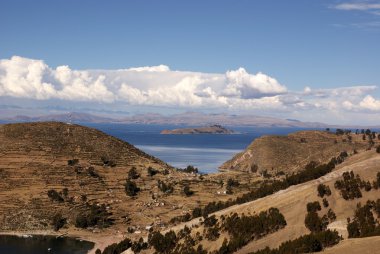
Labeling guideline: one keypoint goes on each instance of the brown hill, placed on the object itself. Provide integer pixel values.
(293, 152)
(34, 159)
(86, 167)
(292, 203)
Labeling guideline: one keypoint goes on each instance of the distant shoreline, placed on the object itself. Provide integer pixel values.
(213, 129)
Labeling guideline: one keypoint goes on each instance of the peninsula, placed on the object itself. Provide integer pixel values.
(212, 129)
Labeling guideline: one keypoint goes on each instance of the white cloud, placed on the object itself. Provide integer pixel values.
(153, 86)
(370, 103)
(158, 68)
(158, 86)
(358, 6)
(244, 85)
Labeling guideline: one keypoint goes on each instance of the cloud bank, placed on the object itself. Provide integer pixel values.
(159, 86)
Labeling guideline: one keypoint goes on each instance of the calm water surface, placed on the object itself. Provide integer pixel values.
(42, 245)
(205, 151)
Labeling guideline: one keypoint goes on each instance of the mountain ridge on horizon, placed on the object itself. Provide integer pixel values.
(186, 118)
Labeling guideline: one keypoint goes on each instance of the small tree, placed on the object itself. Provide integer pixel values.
(187, 191)
(131, 188)
(58, 221)
(132, 174)
(152, 171)
(54, 196)
(325, 202)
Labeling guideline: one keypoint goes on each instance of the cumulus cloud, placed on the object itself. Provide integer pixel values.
(150, 85)
(244, 85)
(234, 90)
(370, 103)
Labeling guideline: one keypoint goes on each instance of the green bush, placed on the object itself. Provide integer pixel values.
(187, 191)
(165, 188)
(152, 171)
(55, 196)
(162, 243)
(72, 162)
(132, 174)
(94, 216)
(323, 190)
(58, 221)
(131, 188)
(310, 243)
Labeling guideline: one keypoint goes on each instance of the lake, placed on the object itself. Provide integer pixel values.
(204, 151)
(43, 244)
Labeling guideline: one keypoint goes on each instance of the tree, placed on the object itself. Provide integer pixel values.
(314, 223)
(187, 191)
(162, 243)
(131, 188)
(58, 221)
(132, 174)
(55, 196)
(323, 190)
(151, 171)
(325, 202)
(313, 206)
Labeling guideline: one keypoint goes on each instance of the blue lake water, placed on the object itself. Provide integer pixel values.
(43, 244)
(204, 151)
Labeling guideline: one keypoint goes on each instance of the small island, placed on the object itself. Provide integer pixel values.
(213, 129)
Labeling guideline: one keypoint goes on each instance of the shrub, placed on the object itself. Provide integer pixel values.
(151, 171)
(323, 190)
(310, 243)
(166, 188)
(58, 221)
(364, 224)
(65, 192)
(107, 162)
(314, 223)
(187, 191)
(132, 174)
(189, 169)
(325, 202)
(242, 229)
(331, 215)
(197, 212)
(162, 243)
(378, 148)
(232, 183)
(91, 172)
(72, 162)
(350, 186)
(94, 216)
(55, 196)
(140, 245)
(118, 248)
(313, 206)
(131, 188)
(210, 221)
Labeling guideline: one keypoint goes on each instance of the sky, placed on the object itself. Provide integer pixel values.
(308, 60)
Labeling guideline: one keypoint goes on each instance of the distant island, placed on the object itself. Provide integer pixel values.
(212, 129)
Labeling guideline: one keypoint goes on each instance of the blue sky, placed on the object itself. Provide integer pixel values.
(316, 44)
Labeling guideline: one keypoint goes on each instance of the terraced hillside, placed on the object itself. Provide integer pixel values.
(34, 159)
(293, 152)
(56, 170)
